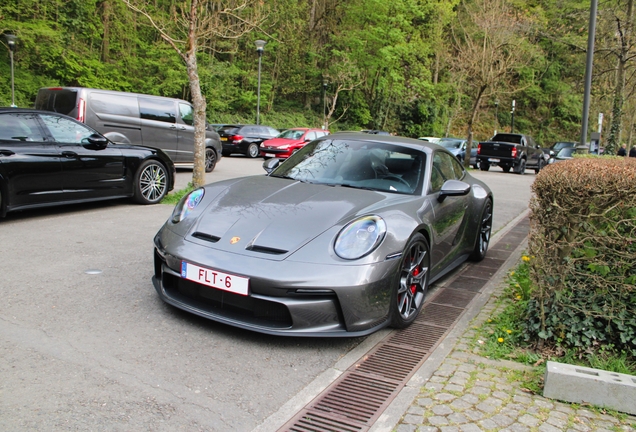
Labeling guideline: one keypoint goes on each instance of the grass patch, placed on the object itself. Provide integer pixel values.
(174, 197)
(502, 337)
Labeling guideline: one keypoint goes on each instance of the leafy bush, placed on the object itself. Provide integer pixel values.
(583, 236)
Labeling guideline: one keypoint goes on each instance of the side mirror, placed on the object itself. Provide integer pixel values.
(270, 165)
(453, 188)
(97, 141)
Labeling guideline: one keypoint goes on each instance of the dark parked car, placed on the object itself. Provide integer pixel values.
(290, 141)
(511, 151)
(567, 153)
(50, 159)
(341, 239)
(556, 148)
(244, 139)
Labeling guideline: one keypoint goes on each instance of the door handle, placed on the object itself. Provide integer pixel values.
(69, 154)
(173, 127)
(183, 128)
(5, 152)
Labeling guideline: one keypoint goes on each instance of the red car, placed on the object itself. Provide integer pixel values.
(289, 141)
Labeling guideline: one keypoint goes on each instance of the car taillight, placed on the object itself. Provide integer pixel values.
(478, 148)
(237, 138)
(81, 110)
(514, 152)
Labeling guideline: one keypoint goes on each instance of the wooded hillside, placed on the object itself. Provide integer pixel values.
(413, 67)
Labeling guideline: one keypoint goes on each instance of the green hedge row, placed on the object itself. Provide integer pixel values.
(583, 247)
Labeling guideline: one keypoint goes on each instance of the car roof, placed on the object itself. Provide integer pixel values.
(413, 143)
(33, 111)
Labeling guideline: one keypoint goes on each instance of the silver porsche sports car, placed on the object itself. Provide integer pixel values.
(341, 239)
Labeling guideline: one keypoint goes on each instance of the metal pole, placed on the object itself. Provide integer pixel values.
(13, 105)
(512, 123)
(588, 70)
(324, 106)
(496, 116)
(258, 97)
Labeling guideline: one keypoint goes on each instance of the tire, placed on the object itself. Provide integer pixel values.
(521, 169)
(407, 297)
(483, 166)
(483, 234)
(539, 167)
(151, 182)
(505, 169)
(210, 159)
(253, 150)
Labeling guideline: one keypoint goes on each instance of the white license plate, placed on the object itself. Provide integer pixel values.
(270, 154)
(215, 278)
(493, 160)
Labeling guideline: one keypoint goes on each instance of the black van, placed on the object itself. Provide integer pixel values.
(132, 118)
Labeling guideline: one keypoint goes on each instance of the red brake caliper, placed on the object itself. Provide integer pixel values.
(416, 271)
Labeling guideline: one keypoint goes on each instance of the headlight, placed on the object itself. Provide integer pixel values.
(187, 204)
(360, 237)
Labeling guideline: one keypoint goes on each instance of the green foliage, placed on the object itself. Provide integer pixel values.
(584, 240)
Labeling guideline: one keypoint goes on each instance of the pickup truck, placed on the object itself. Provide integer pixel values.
(511, 151)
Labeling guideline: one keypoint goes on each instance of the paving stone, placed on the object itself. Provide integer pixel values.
(434, 386)
(559, 414)
(480, 390)
(482, 383)
(438, 421)
(510, 412)
(452, 361)
(416, 409)
(488, 406)
(454, 388)
(522, 399)
(460, 404)
(488, 424)
(470, 398)
(444, 397)
(544, 403)
(545, 427)
(442, 410)
(517, 427)
(449, 429)
(563, 408)
(406, 428)
(425, 402)
(470, 427)
(438, 379)
(474, 415)
(466, 368)
(585, 413)
(445, 370)
(529, 420)
(501, 395)
(427, 429)
(558, 422)
(457, 418)
(413, 419)
(502, 420)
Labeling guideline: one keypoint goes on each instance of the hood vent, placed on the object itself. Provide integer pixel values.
(206, 237)
(266, 250)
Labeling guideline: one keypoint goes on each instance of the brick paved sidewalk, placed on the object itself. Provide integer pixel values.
(471, 393)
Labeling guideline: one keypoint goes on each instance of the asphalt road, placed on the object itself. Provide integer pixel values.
(86, 344)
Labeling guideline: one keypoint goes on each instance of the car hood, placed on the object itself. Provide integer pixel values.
(275, 217)
(277, 142)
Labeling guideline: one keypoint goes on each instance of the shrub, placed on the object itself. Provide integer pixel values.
(583, 239)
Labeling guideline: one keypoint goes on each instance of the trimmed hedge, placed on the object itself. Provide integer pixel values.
(583, 248)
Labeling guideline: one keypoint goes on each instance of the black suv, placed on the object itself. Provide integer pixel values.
(244, 139)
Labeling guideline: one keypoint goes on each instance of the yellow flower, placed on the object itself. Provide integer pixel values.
(525, 258)
(512, 273)
(508, 331)
(489, 320)
(518, 297)
(500, 340)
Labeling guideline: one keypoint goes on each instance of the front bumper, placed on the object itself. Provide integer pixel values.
(285, 297)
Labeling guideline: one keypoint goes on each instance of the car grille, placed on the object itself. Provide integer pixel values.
(229, 305)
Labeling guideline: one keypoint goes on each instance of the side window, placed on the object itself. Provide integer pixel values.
(157, 109)
(66, 131)
(458, 168)
(272, 132)
(310, 136)
(248, 131)
(19, 127)
(444, 166)
(187, 113)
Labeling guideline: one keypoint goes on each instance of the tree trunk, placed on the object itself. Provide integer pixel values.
(469, 143)
(106, 12)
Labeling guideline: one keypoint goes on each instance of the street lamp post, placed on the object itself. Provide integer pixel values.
(325, 126)
(496, 115)
(512, 122)
(260, 47)
(11, 42)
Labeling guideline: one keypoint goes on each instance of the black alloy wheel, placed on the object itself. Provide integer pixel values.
(408, 296)
(210, 159)
(253, 150)
(151, 182)
(539, 166)
(483, 233)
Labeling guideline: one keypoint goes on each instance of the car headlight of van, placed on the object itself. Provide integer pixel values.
(187, 204)
(360, 237)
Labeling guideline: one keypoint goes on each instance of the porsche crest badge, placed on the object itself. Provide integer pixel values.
(235, 240)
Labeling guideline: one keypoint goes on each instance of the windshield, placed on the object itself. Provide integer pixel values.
(358, 164)
(450, 143)
(565, 152)
(561, 145)
(291, 134)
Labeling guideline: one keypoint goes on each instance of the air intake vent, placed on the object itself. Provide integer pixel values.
(266, 250)
(206, 237)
